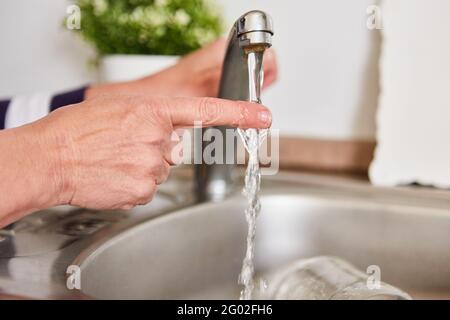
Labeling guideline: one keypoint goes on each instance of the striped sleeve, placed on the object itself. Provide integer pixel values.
(3, 108)
(21, 110)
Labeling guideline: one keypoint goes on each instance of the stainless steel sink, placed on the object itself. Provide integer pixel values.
(174, 248)
(196, 252)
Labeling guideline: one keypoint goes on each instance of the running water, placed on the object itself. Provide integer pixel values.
(252, 140)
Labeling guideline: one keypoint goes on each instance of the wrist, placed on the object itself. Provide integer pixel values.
(28, 176)
(42, 159)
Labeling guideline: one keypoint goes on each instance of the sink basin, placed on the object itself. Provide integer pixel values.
(196, 252)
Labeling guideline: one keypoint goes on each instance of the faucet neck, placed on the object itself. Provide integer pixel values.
(250, 36)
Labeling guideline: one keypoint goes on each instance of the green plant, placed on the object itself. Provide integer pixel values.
(160, 27)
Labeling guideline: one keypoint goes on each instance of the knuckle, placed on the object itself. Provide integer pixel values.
(165, 171)
(154, 165)
(140, 104)
(209, 110)
(242, 113)
(132, 111)
(160, 110)
(158, 170)
(144, 192)
(150, 108)
(156, 108)
(150, 191)
(126, 207)
(159, 139)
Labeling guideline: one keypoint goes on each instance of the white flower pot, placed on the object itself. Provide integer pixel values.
(124, 67)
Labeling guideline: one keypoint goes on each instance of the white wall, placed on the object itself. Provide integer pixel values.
(328, 60)
(37, 53)
(328, 66)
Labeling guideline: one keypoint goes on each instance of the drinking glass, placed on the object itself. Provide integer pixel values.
(328, 278)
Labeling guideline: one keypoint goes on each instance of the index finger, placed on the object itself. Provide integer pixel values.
(218, 112)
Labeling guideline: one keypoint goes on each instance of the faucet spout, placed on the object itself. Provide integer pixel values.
(252, 32)
(250, 36)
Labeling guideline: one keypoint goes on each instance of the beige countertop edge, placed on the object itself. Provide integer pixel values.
(352, 156)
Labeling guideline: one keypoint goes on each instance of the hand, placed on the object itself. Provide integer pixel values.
(105, 153)
(195, 75)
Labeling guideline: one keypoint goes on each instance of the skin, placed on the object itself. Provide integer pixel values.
(113, 150)
(195, 75)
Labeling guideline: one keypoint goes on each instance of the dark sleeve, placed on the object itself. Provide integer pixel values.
(66, 98)
(3, 108)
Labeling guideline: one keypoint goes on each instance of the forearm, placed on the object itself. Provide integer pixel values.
(160, 84)
(29, 174)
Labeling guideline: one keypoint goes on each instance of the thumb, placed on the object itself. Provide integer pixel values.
(218, 112)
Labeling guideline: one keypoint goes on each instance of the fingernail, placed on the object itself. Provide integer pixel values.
(265, 117)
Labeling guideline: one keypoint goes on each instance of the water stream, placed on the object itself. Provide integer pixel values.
(252, 140)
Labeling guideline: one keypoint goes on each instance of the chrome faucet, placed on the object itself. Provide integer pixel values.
(251, 33)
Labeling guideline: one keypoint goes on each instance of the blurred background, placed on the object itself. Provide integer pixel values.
(327, 102)
(327, 56)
